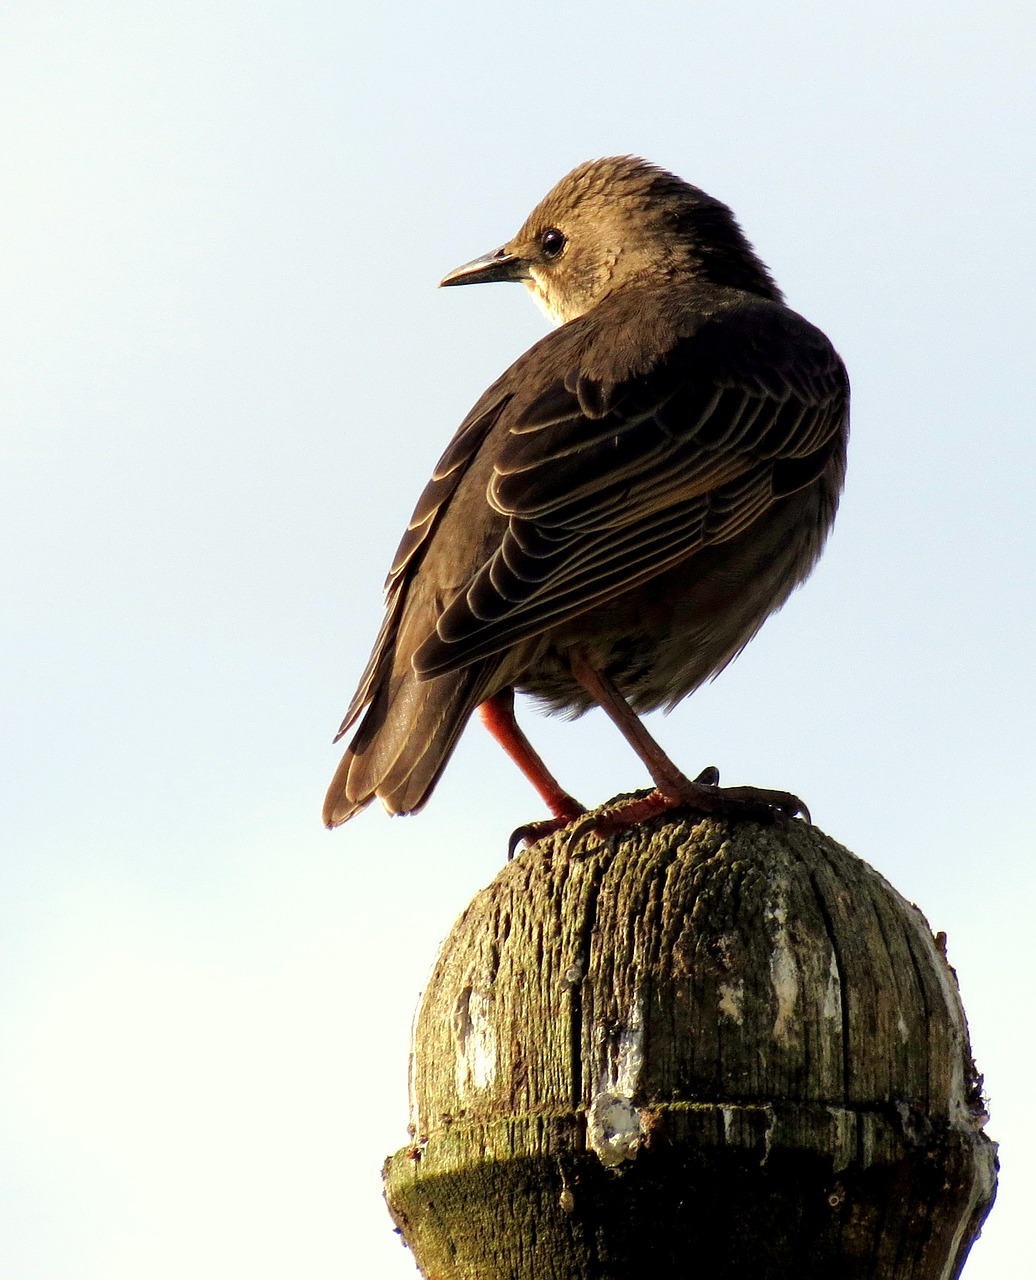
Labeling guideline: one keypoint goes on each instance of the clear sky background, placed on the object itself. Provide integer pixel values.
(225, 373)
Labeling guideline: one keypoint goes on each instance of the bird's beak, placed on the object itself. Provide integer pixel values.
(501, 264)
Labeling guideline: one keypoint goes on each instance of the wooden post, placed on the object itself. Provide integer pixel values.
(706, 1049)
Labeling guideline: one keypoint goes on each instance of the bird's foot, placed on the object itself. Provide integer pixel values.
(533, 831)
(748, 804)
(703, 795)
(751, 804)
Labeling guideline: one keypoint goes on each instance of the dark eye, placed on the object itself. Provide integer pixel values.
(552, 241)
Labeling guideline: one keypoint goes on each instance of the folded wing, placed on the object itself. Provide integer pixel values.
(605, 483)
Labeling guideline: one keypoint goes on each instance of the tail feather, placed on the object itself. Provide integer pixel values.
(403, 742)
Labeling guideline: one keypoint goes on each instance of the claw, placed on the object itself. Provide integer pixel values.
(589, 824)
(530, 832)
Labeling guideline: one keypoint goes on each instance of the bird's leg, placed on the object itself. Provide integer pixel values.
(673, 789)
(497, 715)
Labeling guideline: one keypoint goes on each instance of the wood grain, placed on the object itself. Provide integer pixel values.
(703, 1046)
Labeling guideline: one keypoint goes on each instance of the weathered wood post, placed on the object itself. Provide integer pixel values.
(708, 1049)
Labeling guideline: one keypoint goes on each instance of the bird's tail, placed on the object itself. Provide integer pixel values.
(403, 742)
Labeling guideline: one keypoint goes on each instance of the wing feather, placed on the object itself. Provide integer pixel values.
(608, 468)
(602, 491)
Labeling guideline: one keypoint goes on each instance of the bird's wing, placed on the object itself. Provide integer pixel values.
(606, 482)
(449, 471)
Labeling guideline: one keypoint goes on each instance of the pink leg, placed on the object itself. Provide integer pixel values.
(497, 715)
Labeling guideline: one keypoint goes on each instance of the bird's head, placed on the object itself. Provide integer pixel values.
(615, 223)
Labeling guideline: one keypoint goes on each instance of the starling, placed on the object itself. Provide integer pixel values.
(620, 512)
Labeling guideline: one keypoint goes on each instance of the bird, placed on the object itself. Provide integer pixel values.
(620, 511)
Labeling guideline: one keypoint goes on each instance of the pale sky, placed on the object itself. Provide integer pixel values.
(226, 373)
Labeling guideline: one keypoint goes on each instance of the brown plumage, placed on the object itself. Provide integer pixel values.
(622, 509)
